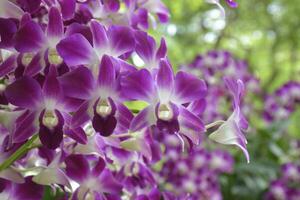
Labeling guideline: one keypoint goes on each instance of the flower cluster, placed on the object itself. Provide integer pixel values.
(193, 175)
(67, 90)
(287, 186)
(282, 103)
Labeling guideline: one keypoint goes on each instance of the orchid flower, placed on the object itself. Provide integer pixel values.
(166, 95)
(147, 50)
(46, 108)
(95, 180)
(230, 132)
(76, 50)
(34, 43)
(103, 102)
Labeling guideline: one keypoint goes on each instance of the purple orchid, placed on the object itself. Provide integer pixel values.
(108, 130)
(95, 180)
(166, 95)
(103, 102)
(230, 132)
(33, 42)
(116, 41)
(147, 50)
(46, 107)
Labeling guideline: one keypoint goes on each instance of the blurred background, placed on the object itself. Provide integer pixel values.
(265, 37)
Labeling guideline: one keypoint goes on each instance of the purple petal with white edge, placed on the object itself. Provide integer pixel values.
(108, 183)
(190, 125)
(8, 65)
(35, 66)
(76, 134)
(77, 167)
(10, 10)
(107, 73)
(26, 127)
(138, 86)
(140, 19)
(145, 46)
(30, 38)
(55, 28)
(82, 115)
(165, 80)
(51, 86)
(76, 50)
(78, 83)
(67, 8)
(121, 40)
(143, 119)
(162, 50)
(99, 167)
(188, 88)
(230, 134)
(28, 190)
(24, 92)
(100, 39)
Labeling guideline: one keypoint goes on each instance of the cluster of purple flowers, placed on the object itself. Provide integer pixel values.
(211, 67)
(282, 103)
(287, 186)
(193, 175)
(66, 84)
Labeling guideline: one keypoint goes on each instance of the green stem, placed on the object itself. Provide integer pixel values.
(19, 153)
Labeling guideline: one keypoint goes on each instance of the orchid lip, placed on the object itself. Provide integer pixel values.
(26, 58)
(165, 112)
(50, 119)
(54, 57)
(103, 108)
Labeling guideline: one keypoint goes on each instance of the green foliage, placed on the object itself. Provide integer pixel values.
(266, 33)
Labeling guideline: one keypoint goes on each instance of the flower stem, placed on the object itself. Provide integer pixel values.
(19, 153)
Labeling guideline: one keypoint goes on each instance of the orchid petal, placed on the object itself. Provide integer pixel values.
(30, 38)
(24, 92)
(55, 25)
(77, 167)
(188, 88)
(76, 50)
